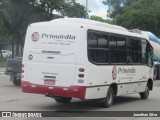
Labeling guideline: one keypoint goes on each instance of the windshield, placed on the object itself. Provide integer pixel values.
(153, 38)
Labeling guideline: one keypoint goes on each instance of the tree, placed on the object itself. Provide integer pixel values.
(73, 10)
(16, 15)
(100, 19)
(142, 15)
(4, 36)
(116, 7)
(59, 6)
(97, 18)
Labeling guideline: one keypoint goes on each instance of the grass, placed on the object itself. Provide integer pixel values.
(3, 62)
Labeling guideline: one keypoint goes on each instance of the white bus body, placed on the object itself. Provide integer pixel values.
(155, 43)
(153, 40)
(61, 61)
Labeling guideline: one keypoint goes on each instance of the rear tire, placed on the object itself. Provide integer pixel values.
(63, 99)
(145, 94)
(108, 101)
(17, 82)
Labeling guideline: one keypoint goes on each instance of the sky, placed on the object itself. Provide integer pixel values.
(96, 7)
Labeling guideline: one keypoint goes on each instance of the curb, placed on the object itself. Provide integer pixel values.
(2, 73)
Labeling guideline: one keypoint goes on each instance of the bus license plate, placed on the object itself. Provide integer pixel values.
(49, 82)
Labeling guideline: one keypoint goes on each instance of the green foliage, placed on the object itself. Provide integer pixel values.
(48, 6)
(67, 8)
(97, 18)
(3, 62)
(100, 19)
(116, 7)
(73, 10)
(139, 14)
(16, 15)
(4, 36)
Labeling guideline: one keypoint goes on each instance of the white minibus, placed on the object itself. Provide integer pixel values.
(78, 58)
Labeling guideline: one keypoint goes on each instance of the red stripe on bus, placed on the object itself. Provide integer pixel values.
(55, 91)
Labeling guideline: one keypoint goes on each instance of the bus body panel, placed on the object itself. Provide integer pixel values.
(50, 56)
(40, 73)
(103, 77)
(54, 54)
(96, 92)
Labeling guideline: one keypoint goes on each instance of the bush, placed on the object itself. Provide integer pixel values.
(3, 62)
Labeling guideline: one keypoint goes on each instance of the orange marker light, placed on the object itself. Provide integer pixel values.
(81, 69)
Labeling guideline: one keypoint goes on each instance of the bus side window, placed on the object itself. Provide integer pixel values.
(137, 51)
(149, 55)
(92, 40)
(98, 48)
(117, 49)
(129, 52)
(144, 52)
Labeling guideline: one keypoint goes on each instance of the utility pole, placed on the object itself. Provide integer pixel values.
(86, 9)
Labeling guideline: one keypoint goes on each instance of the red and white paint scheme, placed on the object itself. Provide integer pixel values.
(78, 58)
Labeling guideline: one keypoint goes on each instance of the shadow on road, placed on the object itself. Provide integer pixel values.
(87, 105)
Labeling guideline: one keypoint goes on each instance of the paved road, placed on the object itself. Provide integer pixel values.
(12, 99)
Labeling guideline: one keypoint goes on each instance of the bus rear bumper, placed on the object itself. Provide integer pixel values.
(54, 91)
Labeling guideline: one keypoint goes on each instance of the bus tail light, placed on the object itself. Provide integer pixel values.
(22, 68)
(81, 69)
(81, 75)
(22, 75)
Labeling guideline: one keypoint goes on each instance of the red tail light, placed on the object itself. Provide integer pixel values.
(22, 68)
(81, 75)
(22, 75)
(22, 65)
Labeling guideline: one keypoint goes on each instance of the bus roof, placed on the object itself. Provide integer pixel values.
(90, 24)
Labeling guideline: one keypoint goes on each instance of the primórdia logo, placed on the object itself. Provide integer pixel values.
(35, 36)
(114, 73)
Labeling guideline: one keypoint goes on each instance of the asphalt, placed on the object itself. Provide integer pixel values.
(156, 83)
